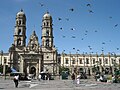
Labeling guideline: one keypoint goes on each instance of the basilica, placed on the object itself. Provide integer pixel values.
(33, 57)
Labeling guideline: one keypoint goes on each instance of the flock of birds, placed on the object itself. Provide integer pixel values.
(86, 32)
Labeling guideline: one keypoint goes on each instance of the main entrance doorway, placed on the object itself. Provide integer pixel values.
(31, 64)
(32, 70)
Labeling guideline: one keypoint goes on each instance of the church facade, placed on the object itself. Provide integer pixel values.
(33, 58)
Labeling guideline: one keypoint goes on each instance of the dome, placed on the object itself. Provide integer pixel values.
(47, 15)
(21, 13)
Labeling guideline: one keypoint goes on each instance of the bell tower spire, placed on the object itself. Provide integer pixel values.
(47, 31)
(20, 30)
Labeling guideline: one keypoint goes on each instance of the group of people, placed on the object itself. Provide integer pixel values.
(75, 78)
(41, 76)
(44, 76)
(105, 78)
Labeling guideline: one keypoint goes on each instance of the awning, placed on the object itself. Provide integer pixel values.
(13, 70)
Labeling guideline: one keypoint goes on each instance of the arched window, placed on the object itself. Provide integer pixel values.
(19, 22)
(44, 23)
(47, 23)
(23, 22)
(19, 41)
(47, 43)
(47, 33)
(87, 61)
(19, 32)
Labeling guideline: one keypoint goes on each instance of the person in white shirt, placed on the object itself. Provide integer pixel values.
(16, 79)
(78, 79)
(101, 78)
(39, 77)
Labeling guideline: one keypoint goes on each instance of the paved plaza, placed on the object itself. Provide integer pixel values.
(85, 84)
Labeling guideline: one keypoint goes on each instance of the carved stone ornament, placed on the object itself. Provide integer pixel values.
(33, 44)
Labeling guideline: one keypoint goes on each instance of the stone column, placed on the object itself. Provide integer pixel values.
(37, 68)
(39, 62)
(21, 65)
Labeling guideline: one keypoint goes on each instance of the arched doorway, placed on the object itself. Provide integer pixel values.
(33, 71)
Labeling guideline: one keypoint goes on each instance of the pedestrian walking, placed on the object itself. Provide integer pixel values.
(73, 78)
(16, 79)
(39, 77)
(78, 79)
(48, 76)
(45, 77)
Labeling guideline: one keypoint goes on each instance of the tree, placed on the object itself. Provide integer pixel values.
(63, 69)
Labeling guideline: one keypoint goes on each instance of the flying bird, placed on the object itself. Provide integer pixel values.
(102, 50)
(110, 17)
(95, 30)
(61, 28)
(116, 25)
(73, 37)
(89, 5)
(41, 4)
(90, 11)
(59, 19)
(117, 48)
(74, 48)
(63, 36)
(103, 42)
(71, 9)
(86, 31)
(72, 29)
(63, 51)
(67, 19)
(89, 46)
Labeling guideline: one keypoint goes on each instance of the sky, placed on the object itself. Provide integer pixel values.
(83, 26)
